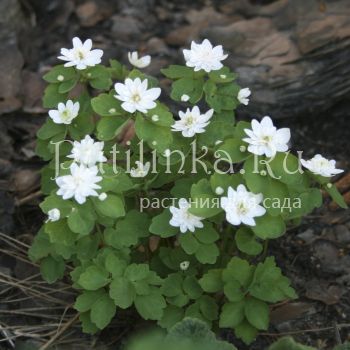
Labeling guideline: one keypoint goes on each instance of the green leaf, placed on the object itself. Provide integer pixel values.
(122, 292)
(189, 243)
(40, 246)
(165, 117)
(223, 75)
(232, 314)
(268, 227)
(238, 270)
(204, 201)
(81, 220)
(257, 313)
(217, 130)
(52, 269)
(85, 300)
(273, 190)
(187, 86)
(230, 150)
(234, 291)
(207, 234)
(110, 127)
(246, 242)
(225, 181)
(176, 72)
(112, 206)
(55, 201)
(207, 253)
(212, 282)
(99, 77)
(171, 316)
(87, 325)
(287, 343)
(269, 284)
(287, 169)
(106, 105)
(222, 97)
(93, 278)
(151, 306)
(87, 247)
(59, 74)
(118, 70)
(137, 272)
(50, 129)
(160, 225)
(102, 311)
(246, 332)
(59, 232)
(52, 97)
(156, 136)
(208, 307)
(67, 86)
(172, 285)
(115, 265)
(130, 229)
(192, 288)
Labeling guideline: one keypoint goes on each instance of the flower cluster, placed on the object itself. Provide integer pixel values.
(232, 185)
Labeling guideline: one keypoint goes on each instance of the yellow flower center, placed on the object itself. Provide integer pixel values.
(81, 54)
(189, 120)
(136, 98)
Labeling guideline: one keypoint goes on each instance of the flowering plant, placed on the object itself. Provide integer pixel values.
(174, 221)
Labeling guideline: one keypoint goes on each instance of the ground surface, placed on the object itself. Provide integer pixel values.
(314, 255)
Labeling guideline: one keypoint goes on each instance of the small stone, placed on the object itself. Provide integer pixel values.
(126, 28)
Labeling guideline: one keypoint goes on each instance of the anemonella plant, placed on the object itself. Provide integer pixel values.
(173, 221)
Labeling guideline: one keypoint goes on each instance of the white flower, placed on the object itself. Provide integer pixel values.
(185, 98)
(242, 206)
(192, 121)
(321, 166)
(53, 215)
(88, 152)
(243, 95)
(81, 183)
(184, 265)
(81, 55)
(266, 139)
(102, 196)
(204, 56)
(183, 218)
(141, 62)
(65, 113)
(141, 170)
(136, 96)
